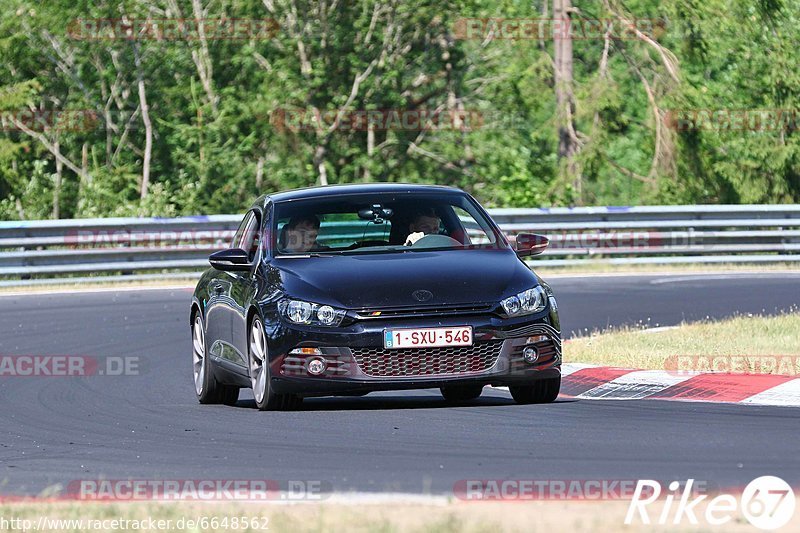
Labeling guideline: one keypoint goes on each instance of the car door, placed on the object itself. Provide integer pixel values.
(244, 284)
(225, 300)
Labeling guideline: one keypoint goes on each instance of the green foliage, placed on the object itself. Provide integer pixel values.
(215, 107)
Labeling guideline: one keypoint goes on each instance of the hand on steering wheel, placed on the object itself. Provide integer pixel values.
(414, 237)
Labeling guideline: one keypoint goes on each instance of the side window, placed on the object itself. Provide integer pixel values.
(237, 238)
(247, 236)
(476, 234)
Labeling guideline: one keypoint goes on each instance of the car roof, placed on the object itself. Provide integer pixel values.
(354, 188)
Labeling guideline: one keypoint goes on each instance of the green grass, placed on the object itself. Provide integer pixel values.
(753, 337)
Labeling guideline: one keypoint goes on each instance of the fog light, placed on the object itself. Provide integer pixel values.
(537, 338)
(530, 354)
(316, 366)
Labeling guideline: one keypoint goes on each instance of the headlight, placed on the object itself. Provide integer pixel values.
(300, 312)
(525, 303)
(550, 297)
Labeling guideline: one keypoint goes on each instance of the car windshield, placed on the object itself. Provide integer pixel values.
(380, 223)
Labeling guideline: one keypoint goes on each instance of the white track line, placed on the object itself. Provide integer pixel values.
(784, 394)
(85, 290)
(571, 368)
(732, 275)
(687, 274)
(369, 498)
(635, 385)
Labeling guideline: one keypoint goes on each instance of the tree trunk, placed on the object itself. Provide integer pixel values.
(370, 151)
(57, 185)
(259, 174)
(565, 99)
(148, 126)
(319, 164)
(85, 162)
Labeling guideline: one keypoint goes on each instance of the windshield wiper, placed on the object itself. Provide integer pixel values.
(301, 256)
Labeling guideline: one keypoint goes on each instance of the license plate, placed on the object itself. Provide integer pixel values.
(427, 337)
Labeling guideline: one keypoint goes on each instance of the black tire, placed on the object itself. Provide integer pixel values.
(543, 391)
(207, 388)
(265, 397)
(461, 393)
(229, 395)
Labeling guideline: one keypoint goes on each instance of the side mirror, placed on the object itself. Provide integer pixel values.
(232, 260)
(528, 244)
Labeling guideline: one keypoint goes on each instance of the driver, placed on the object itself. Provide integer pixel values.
(424, 222)
(300, 234)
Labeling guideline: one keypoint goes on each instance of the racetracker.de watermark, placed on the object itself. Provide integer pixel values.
(312, 119)
(39, 120)
(522, 29)
(173, 29)
(788, 365)
(116, 490)
(550, 489)
(733, 120)
(200, 522)
(69, 366)
(163, 239)
(613, 239)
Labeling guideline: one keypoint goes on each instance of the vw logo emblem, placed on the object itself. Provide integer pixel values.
(422, 295)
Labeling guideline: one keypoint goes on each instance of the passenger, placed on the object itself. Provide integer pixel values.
(424, 222)
(300, 234)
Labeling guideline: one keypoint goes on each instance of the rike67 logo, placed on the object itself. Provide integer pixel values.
(767, 502)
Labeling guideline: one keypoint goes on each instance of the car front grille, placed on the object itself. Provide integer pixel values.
(379, 362)
(423, 312)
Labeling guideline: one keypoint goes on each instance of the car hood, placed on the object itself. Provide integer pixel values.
(389, 280)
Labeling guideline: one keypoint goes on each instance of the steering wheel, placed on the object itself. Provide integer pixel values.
(436, 241)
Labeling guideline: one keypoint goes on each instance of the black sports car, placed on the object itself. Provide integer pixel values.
(343, 290)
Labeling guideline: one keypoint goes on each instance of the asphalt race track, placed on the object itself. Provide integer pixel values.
(56, 429)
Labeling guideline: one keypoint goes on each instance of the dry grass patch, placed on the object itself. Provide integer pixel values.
(455, 516)
(754, 337)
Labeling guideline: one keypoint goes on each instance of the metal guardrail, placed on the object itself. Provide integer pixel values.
(613, 235)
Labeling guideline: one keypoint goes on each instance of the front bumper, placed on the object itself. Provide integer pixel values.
(356, 362)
